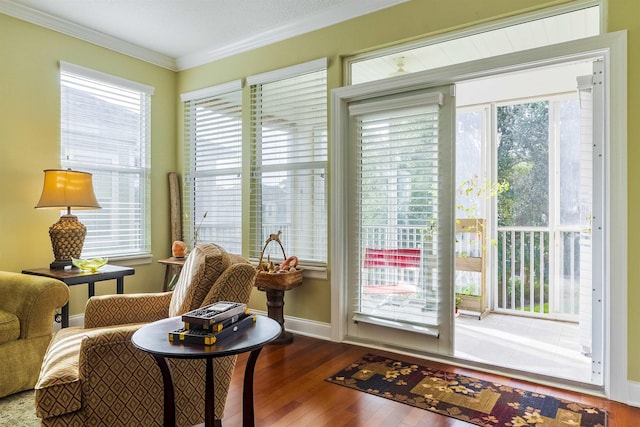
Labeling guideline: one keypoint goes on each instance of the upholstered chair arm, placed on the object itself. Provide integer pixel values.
(111, 310)
(33, 299)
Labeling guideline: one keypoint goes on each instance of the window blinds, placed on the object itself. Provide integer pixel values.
(105, 130)
(289, 162)
(212, 198)
(398, 192)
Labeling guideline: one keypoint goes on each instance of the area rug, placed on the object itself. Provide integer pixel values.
(18, 410)
(475, 401)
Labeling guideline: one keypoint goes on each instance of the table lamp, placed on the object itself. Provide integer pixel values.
(66, 188)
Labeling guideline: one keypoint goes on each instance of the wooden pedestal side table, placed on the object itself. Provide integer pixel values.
(172, 265)
(154, 339)
(275, 304)
(75, 276)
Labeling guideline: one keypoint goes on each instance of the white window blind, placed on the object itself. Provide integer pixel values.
(398, 193)
(105, 130)
(212, 197)
(289, 162)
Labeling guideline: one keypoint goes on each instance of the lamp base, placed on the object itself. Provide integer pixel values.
(67, 238)
(60, 264)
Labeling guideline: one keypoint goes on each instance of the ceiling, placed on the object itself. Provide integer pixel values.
(180, 34)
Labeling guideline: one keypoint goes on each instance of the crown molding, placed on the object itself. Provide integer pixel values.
(51, 22)
(308, 24)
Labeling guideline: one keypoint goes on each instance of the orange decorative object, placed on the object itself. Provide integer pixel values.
(178, 249)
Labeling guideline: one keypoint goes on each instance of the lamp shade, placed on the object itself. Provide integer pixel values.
(66, 188)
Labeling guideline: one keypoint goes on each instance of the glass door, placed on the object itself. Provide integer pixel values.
(400, 155)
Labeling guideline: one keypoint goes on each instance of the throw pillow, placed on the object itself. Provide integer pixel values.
(203, 266)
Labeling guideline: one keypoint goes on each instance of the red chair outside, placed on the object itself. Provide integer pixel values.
(391, 272)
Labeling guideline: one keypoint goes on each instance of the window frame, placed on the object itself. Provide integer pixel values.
(473, 31)
(195, 218)
(254, 84)
(611, 46)
(142, 232)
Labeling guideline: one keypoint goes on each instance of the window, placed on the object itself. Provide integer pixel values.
(397, 164)
(289, 161)
(105, 130)
(543, 28)
(213, 166)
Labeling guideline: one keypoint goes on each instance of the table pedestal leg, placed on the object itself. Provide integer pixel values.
(275, 310)
(65, 316)
(169, 396)
(248, 414)
(209, 396)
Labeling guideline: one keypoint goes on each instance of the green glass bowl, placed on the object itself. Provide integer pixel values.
(91, 265)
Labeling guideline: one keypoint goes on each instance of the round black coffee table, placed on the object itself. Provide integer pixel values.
(154, 339)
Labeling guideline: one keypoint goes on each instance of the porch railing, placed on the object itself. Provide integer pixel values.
(536, 274)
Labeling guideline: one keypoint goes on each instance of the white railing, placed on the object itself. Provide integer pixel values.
(538, 273)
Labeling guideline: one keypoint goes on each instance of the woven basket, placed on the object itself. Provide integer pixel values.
(281, 280)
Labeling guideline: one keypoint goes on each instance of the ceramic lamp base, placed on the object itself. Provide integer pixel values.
(67, 238)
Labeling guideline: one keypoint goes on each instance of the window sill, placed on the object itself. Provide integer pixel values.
(131, 260)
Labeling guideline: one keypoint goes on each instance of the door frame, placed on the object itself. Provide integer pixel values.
(612, 47)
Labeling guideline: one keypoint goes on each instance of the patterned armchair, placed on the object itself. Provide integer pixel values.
(93, 376)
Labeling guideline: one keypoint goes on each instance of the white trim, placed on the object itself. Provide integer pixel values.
(612, 46)
(69, 28)
(306, 327)
(308, 24)
(212, 91)
(284, 73)
(475, 30)
(104, 77)
(132, 260)
(616, 266)
(634, 393)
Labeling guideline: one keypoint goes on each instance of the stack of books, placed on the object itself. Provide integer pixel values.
(209, 324)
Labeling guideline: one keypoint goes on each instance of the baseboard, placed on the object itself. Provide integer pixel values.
(76, 320)
(306, 327)
(634, 393)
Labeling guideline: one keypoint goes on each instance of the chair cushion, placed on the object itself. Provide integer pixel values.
(9, 327)
(203, 266)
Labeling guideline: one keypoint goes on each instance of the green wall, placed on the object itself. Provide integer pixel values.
(623, 14)
(30, 142)
(29, 124)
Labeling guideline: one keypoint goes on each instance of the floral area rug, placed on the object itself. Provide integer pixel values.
(475, 401)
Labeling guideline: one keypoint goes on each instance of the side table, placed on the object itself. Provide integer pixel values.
(171, 264)
(75, 276)
(154, 339)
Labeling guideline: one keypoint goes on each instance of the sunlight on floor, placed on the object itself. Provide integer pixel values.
(532, 345)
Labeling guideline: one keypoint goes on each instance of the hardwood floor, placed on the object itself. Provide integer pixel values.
(290, 390)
